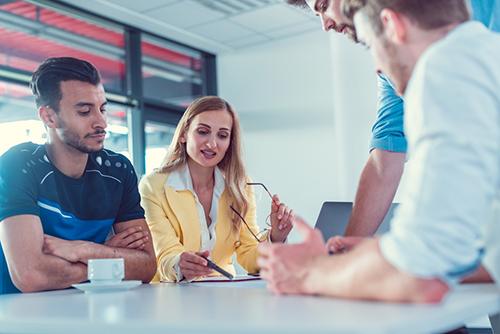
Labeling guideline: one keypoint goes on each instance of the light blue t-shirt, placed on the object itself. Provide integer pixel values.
(388, 130)
(487, 12)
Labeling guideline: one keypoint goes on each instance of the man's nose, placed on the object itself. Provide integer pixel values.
(327, 23)
(100, 120)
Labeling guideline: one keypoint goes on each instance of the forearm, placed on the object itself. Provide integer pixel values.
(364, 274)
(50, 273)
(139, 264)
(479, 276)
(377, 187)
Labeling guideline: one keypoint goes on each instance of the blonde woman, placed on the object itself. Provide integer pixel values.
(199, 205)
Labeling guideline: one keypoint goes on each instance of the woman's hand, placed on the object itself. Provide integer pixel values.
(281, 220)
(194, 265)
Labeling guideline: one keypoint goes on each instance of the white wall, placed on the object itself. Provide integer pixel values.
(306, 105)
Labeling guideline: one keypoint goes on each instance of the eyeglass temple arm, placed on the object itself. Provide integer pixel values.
(243, 220)
(263, 186)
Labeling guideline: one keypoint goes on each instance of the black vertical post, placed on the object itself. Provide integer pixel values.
(134, 89)
(209, 75)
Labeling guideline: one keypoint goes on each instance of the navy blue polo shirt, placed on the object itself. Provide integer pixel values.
(73, 209)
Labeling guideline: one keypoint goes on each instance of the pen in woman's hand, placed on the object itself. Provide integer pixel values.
(218, 269)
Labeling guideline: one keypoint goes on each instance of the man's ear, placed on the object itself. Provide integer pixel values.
(395, 28)
(48, 116)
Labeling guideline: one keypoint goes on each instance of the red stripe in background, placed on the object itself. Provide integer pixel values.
(34, 49)
(15, 91)
(107, 36)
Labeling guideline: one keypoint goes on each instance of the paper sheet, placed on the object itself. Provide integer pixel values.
(217, 279)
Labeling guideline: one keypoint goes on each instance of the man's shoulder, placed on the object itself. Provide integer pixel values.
(21, 169)
(469, 43)
(467, 55)
(23, 157)
(21, 151)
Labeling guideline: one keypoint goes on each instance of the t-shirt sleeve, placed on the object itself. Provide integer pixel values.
(130, 207)
(487, 12)
(388, 132)
(18, 187)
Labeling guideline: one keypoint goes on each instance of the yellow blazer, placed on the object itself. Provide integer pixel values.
(175, 227)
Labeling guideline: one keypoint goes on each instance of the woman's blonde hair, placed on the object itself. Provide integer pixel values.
(231, 165)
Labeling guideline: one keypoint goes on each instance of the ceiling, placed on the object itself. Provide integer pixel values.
(211, 25)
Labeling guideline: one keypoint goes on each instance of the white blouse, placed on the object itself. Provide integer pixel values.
(180, 180)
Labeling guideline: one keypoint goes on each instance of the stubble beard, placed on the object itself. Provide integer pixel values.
(73, 140)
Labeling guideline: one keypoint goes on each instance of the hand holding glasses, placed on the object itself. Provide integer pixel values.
(281, 219)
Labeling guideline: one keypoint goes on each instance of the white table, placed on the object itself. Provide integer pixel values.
(244, 307)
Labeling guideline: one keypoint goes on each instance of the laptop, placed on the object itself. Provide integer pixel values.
(334, 216)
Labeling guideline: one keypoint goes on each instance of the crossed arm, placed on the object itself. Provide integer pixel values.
(38, 262)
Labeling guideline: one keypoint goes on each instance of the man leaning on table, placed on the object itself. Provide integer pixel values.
(447, 68)
(383, 169)
(59, 201)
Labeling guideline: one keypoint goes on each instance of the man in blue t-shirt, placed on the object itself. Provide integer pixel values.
(60, 201)
(382, 172)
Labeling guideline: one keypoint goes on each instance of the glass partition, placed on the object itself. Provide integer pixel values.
(171, 74)
(158, 138)
(30, 33)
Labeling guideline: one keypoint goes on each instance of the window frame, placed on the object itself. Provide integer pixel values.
(141, 109)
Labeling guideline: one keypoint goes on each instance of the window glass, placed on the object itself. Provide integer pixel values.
(19, 120)
(171, 74)
(117, 131)
(30, 33)
(158, 138)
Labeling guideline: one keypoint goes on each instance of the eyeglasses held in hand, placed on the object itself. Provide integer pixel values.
(257, 236)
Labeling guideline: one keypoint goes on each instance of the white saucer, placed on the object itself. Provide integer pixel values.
(105, 286)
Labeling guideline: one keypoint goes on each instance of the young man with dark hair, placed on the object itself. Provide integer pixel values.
(60, 201)
(448, 71)
(381, 175)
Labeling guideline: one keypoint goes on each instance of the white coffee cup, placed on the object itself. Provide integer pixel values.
(105, 270)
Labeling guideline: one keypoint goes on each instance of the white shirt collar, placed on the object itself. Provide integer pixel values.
(180, 179)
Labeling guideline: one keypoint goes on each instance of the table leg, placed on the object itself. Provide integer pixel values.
(495, 323)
